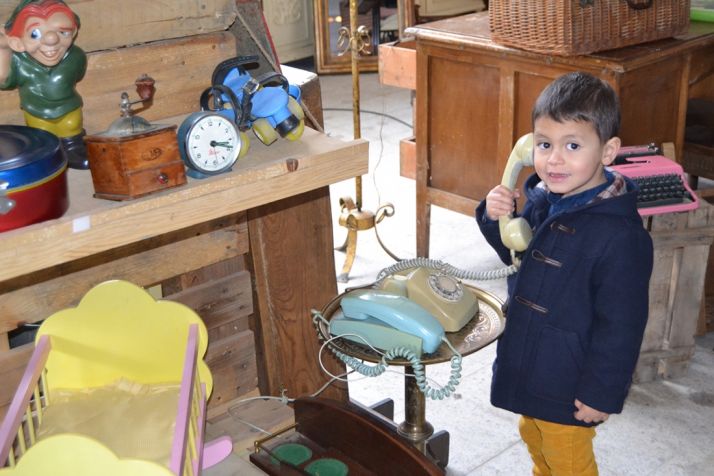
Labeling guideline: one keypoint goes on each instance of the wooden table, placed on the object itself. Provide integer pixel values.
(474, 99)
(281, 191)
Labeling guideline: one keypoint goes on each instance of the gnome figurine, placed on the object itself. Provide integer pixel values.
(39, 58)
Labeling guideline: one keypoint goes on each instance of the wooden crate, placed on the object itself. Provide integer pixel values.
(681, 242)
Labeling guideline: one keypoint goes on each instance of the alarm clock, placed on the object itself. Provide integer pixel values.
(210, 141)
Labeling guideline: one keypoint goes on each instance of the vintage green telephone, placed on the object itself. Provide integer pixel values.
(388, 320)
(516, 232)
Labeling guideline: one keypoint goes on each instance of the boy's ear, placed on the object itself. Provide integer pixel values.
(609, 151)
(15, 44)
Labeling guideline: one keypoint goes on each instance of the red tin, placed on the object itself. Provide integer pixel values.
(33, 177)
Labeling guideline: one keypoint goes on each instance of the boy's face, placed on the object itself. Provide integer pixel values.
(569, 157)
(45, 39)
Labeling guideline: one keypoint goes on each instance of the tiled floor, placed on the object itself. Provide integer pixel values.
(667, 427)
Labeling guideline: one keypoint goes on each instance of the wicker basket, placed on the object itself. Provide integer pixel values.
(575, 27)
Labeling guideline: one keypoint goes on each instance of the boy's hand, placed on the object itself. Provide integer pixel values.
(589, 414)
(500, 201)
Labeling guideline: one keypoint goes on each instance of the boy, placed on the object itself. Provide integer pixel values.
(577, 307)
(38, 57)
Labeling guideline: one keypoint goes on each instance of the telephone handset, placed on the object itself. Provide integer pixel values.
(444, 296)
(516, 232)
(386, 320)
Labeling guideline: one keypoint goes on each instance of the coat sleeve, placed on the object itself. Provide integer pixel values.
(621, 299)
(490, 231)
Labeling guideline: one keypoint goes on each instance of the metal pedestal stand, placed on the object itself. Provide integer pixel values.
(356, 40)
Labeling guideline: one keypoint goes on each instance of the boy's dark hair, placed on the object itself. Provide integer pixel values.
(581, 97)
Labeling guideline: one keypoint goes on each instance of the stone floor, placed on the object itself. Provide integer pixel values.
(667, 427)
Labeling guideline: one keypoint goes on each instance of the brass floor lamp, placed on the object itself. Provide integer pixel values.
(356, 40)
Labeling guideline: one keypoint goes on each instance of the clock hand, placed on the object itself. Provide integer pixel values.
(221, 144)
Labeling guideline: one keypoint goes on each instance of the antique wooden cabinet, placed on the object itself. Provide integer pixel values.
(474, 99)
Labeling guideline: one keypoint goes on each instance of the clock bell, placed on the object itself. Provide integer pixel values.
(134, 157)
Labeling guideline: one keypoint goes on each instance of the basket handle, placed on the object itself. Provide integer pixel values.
(639, 6)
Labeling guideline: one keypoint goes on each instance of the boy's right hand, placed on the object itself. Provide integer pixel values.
(500, 201)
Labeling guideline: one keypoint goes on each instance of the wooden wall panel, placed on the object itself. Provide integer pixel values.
(36, 302)
(110, 24)
(232, 363)
(221, 301)
(181, 68)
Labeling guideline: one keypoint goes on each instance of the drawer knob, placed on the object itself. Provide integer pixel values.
(163, 178)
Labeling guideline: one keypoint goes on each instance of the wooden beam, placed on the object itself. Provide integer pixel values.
(294, 271)
(138, 21)
(38, 301)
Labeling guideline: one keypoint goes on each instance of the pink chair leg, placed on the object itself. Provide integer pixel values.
(216, 451)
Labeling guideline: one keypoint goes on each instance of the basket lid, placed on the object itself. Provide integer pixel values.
(28, 155)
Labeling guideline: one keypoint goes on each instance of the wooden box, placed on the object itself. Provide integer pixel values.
(126, 167)
(681, 251)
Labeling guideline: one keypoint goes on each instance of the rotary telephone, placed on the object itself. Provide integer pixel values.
(411, 309)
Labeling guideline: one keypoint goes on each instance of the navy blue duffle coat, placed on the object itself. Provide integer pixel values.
(576, 309)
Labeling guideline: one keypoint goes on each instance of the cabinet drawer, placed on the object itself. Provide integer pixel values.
(160, 177)
(397, 64)
(140, 182)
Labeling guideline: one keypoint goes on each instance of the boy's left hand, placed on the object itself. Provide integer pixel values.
(589, 414)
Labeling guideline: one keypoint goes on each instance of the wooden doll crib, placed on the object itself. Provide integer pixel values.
(115, 386)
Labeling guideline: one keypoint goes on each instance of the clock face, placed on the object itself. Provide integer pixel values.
(213, 143)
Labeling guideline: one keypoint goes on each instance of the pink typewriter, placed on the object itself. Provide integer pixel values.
(663, 187)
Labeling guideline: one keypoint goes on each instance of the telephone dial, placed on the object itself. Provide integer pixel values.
(440, 293)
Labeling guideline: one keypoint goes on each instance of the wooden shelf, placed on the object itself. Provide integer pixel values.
(93, 225)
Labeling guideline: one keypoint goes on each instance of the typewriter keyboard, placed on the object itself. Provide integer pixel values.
(658, 190)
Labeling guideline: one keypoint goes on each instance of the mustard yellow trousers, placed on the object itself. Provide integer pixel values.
(559, 450)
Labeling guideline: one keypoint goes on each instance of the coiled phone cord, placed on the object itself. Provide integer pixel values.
(449, 269)
(405, 353)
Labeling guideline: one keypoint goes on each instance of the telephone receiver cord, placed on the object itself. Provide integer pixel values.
(406, 353)
(447, 268)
